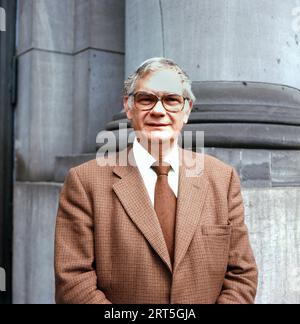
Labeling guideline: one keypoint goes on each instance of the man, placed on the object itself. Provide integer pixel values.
(149, 232)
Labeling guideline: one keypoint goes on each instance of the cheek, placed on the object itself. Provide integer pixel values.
(178, 123)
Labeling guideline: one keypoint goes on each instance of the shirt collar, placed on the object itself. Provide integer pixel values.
(145, 160)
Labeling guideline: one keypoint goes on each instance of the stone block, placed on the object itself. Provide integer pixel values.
(35, 208)
(25, 24)
(272, 216)
(97, 95)
(46, 25)
(212, 40)
(100, 25)
(44, 114)
(285, 168)
(144, 32)
(229, 156)
(255, 169)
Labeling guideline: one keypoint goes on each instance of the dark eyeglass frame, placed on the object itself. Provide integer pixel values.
(159, 98)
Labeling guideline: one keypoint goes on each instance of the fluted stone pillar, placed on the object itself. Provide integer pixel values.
(229, 40)
(243, 59)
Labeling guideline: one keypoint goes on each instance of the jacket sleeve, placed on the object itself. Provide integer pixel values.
(240, 281)
(75, 276)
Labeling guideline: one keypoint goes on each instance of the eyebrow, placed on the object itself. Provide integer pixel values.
(158, 93)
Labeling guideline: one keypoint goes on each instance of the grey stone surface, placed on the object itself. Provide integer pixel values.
(46, 119)
(262, 168)
(257, 95)
(245, 73)
(71, 26)
(248, 40)
(243, 114)
(255, 136)
(62, 108)
(64, 163)
(248, 135)
(44, 113)
(256, 167)
(285, 168)
(100, 25)
(35, 208)
(63, 98)
(46, 25)
(97, 95)
(25, 24)
(273, 219)
(144, 38)
(232, 157)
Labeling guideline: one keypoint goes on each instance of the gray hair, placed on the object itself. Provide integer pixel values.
(156, 64)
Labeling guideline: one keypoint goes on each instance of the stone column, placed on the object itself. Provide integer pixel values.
(241, 55)
(99, 68)
(45, 86)
(71, 69)
(243, 58)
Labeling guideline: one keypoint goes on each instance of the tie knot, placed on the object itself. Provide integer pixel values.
(161, 169)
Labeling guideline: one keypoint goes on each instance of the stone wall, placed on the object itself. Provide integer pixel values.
(71, 54)
(70, 75)
(243, 59)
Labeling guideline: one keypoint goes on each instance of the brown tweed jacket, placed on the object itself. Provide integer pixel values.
(109, 246)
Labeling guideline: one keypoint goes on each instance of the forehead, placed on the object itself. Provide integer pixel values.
(161, 81)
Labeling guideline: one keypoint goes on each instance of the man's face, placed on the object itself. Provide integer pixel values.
(158, 124)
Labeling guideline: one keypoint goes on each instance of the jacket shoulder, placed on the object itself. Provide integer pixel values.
(91, 171)
(86, 167)
(98, 164)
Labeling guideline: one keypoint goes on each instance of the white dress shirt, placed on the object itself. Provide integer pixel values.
(144, 161)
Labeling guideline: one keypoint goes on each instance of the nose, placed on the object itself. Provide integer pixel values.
(158, 108)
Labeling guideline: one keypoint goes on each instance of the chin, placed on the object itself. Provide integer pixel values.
(160, 136)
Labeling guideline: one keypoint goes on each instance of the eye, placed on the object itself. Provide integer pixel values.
(173, 100)
(145, 99)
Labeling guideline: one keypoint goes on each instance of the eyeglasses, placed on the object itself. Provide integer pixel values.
(146, 101)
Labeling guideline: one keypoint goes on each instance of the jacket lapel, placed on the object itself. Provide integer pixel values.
(193, 186)
(131, 191)
(192, 191)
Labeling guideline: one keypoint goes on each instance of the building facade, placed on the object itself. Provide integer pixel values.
(243, 58)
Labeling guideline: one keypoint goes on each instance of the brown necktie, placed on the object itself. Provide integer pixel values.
(165, 206)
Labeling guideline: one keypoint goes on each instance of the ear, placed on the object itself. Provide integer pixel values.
(127, 109)
(187, 112)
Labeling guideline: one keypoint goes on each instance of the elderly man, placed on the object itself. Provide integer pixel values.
(149, 231)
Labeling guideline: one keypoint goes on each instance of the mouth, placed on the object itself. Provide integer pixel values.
(157, 125)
